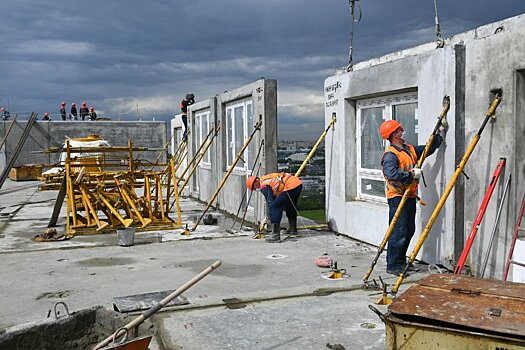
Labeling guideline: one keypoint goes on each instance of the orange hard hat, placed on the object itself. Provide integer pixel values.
(250, 181)
(387, 128)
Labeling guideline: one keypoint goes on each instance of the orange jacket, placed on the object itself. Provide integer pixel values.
(407, 162)
(280, 182)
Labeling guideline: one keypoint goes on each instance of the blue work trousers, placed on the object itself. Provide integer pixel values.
(400, 237)
(286, 201)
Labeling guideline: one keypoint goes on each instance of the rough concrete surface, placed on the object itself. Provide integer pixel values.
(263, 296)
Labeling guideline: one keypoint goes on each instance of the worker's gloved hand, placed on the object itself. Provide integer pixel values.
(417, 173)
(443, 127)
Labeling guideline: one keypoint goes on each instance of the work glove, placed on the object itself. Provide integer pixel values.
(443, 126)
(417, 173)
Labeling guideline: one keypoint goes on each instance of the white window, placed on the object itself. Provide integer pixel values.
(239, 126)
(202, 128)
(370, 147)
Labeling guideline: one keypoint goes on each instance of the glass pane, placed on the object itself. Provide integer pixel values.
(239, 133)
(229, 137)
(205, 131)
(252, 146)
(371, 144)
(374, 188)
(196, 134)
(406, 115)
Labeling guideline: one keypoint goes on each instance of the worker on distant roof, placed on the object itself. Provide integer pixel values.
(63, 111)
(399, 169)
(46, 117)
(187, 101)
(281, 191)
(73, 115)
(4, 113)
(84, 111)
(92, 114)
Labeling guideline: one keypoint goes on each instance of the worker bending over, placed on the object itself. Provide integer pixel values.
(281, 191)
(399, 169)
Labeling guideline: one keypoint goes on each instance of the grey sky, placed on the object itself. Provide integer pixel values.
(119, 53)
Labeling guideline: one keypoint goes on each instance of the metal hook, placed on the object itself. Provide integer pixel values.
(65, 307)
(116, 334)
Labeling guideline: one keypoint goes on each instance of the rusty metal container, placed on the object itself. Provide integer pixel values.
(447, 311)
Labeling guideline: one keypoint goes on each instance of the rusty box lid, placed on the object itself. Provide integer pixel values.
(483, 304)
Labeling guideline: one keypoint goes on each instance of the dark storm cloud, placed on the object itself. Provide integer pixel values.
(122, 53)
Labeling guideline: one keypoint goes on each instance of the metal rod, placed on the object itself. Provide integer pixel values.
(154, 309)
(256, 128)
(448, 189)
(479, 217)
(495, 227)
(314, 148)
(190, 163)
(430, 141)
(198, 160)
(4, 140)
(18, 148)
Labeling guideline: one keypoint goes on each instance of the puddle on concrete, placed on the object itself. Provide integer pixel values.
(102, 262)
(60, 294)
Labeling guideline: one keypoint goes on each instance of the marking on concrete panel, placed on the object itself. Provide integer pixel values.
(277, 256)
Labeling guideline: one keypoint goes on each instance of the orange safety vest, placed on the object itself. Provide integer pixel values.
(407, 162)
(280, 182)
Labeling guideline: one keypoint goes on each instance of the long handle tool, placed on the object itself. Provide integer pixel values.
(381, 248)
(162, 303)
(448, 189)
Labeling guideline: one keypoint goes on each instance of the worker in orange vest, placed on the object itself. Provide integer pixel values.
(281, 191)
(399, 170)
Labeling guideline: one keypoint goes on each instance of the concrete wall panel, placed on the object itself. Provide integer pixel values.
(467, 69)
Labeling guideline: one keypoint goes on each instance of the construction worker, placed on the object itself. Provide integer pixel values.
(281, 191)
(187, 101)
(63, 110)
(4, 113)
(399, 169)
(92, 114)
(84, 111)
(46, 117)
(73, 115)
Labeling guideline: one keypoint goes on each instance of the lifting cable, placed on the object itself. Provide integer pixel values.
(439, 40)
(355, 19)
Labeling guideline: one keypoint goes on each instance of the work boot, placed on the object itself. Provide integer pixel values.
(275, 235)
(292, 226)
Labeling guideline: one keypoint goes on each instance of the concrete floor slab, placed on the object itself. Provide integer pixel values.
(279, 284)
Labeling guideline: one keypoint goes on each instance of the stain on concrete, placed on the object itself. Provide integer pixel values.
(234, 303)
(49, 295)
(103, 262)
(228, 270)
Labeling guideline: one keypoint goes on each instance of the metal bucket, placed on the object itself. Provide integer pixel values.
(126, 236)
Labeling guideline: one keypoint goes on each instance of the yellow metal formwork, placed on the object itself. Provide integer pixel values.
(113, 190)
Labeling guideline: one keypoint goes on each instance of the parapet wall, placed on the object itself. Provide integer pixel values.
(151, 134)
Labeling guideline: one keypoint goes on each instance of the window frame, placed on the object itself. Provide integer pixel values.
(203, 118)
(387, 102)
(246, 132)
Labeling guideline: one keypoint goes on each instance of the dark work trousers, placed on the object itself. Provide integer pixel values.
(286, 201)
(400, 237)
(185, 122)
